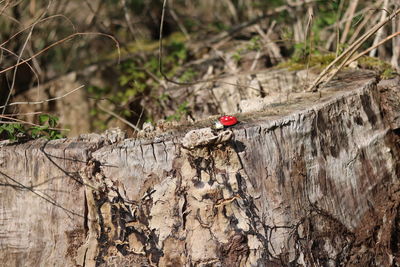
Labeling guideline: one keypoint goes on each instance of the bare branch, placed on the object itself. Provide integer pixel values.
(119, 118)
(373, 47)
(40, 194)
(43, 101)
(64, 40)
(22, 114)
(379, 34)
(41, 20)
(347, 54)
(15, 120)
(160, 58)
(352, 10)
(21, 53)
(29, 65)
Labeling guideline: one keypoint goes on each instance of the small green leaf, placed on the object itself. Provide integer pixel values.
(43, 118)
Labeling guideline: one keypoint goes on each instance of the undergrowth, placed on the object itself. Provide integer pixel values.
(139, 78)
(46, 128)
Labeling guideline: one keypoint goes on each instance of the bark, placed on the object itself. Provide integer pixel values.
(308, 182)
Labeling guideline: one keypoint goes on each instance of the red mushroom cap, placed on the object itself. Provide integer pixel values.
(228, 120)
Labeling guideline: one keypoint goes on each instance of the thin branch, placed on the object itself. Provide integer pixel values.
(395, 46)
(23, 114)
(347, 54)
(29, 65)
(43, 101)
(140, 117)
(15, 70)
(373, 47)
(10, 18)
(352, 10)
(118, 117)
(379, 34)
(41, 20)
(360, 12)
(249, 23)
(22, 52)
(180, 24)
(272, 47)
(15, 120)
(310, 35)
(367, 19)
(53, 202)
(64, 40)
(160, 57)
(7, 5)
(128, 19)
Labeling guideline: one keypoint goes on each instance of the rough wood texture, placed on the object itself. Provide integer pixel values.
(310, 182)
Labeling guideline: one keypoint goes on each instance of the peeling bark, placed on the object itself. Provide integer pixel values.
(314, 184)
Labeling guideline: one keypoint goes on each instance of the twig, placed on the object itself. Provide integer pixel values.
(10, 18)
(10, 92)
(29, 65)
(7, 4)
(360, 12)
(352, 9)
(395, 46)
(48, 199)
(15, 70)
(379, 34)
(298, 28)
(118, 117)
(43, 101)
(23, 114)
(249, 23)
(232, 9)
(14, 120)
(64, 40)
(273, 49)
(346, 55)
(367, 19)
(160, 57)
(140, 117)
(128, 19)
(41, 20)
(180, 24)
(373, 47)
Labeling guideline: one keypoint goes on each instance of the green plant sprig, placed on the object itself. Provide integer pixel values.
(18, 131)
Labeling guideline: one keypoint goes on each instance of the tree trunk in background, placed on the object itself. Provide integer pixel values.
(310, 182)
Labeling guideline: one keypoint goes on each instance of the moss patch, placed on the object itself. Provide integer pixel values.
(385, 70)
(141, 46)
(319, 61)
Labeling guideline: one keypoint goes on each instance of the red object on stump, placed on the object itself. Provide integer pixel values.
(228, 120)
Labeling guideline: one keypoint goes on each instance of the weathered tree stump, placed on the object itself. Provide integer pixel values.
(313, 181)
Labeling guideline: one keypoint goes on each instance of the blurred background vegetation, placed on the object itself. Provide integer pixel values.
(226, 35)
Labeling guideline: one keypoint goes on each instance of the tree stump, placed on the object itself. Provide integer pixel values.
(313, 181)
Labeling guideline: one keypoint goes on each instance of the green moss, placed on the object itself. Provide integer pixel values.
(290, 65)
(385, 70)
(320, 61)
(147, 46)
(316, 60)
(388, 74)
